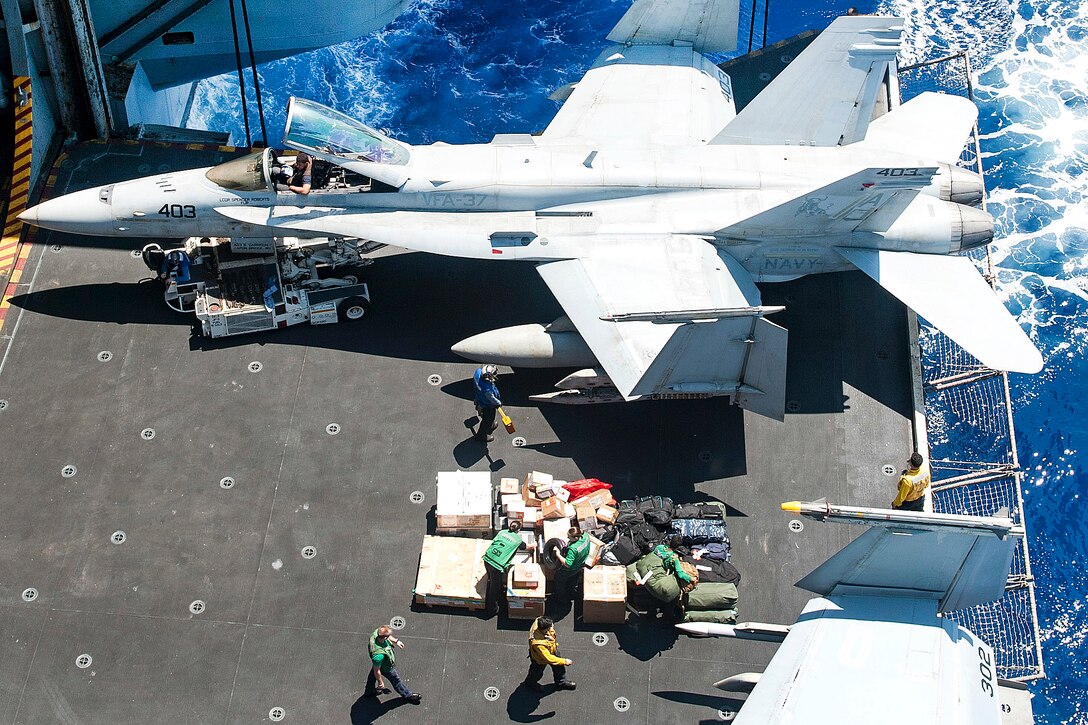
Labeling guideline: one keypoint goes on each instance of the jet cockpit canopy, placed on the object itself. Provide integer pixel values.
(245, 173)
(343, 141)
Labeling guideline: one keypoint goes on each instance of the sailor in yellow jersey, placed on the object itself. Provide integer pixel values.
(912, 485)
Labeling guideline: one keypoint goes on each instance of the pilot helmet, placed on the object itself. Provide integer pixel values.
(490, 372)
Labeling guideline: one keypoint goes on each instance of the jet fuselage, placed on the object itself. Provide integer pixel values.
(560, 193)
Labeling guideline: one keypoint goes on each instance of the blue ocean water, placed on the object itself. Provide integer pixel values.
(462, 70)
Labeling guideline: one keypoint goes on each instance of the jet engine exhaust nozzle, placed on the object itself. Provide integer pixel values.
(961, 186)
(976, 228)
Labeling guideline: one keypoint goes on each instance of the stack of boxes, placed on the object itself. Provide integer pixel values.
(450, 570)
(544, 505)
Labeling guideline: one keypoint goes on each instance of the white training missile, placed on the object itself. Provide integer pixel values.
(1000, 525)
(759, 631)
(528, 346)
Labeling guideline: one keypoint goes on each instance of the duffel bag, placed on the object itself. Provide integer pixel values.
(709, 596)
(721, 616)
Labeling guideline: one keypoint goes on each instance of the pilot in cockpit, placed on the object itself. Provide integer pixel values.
(298, 176)
(302, 177)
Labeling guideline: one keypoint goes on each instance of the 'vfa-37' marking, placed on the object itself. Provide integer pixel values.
(678, 198)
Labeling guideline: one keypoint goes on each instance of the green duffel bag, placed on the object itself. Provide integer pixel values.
(632, 573)
(711, 597)
(662, 584)
(720, 616)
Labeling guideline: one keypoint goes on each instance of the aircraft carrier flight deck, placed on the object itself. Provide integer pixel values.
(160, 490)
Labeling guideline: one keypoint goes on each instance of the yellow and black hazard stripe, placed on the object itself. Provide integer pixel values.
(13, 253)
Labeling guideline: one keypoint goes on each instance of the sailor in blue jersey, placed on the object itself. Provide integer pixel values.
(487, 401)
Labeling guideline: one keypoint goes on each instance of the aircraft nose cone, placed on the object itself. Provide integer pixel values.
(83, 212)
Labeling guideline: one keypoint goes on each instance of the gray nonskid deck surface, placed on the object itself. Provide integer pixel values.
(280, 630)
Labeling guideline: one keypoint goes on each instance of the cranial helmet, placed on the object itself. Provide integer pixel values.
(490, 372)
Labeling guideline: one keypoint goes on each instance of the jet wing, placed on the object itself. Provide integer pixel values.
(828, 94)
(656, 88)
(881, 660)
(672, 316)
(951, 294)
(872, 648)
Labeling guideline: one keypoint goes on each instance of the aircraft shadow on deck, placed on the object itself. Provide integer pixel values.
(423, 304)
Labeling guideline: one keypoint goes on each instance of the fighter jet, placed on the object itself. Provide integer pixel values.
(649, 205)
(873, 646)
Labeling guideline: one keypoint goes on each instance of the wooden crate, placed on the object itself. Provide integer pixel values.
(451, 572)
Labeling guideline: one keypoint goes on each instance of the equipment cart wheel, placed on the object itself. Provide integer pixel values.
(352, 309)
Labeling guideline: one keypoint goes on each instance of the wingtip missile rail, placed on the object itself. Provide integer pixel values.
(1000, 525)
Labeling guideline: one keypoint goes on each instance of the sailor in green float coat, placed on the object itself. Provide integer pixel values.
(384, 664)
(497, 559)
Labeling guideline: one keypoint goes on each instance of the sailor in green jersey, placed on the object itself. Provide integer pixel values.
(671, 560)
(383, 662)
(571, 560)
(497, 560)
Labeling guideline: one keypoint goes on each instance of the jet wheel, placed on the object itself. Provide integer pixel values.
(353, 309)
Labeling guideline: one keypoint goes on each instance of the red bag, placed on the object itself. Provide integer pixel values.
(585, 486)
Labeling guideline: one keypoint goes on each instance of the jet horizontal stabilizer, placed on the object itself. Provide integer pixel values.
(951, 295)
(933, 126)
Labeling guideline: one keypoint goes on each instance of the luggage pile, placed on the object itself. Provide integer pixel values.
(630, 558)
(695, 576)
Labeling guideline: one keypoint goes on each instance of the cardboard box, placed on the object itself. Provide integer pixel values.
(607, 514)
(536, 478)
(596, 499)
(516, 510)
(552, 508)
(464, 500)
(526, 576)
(568, 511)
(530, 484)
(563, 494)
(531, 517)
(604, 595)
(509, 485)
(451, 572)
(526, 602)
(556, 529)
(510, 498)
(529, 537)
(586, 516)
(596, 546)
